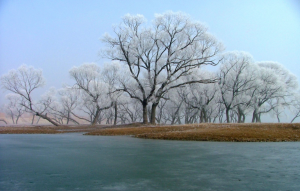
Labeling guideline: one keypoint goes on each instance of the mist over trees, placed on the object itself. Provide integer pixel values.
(157, 74)
(159, 56)
(23, 82)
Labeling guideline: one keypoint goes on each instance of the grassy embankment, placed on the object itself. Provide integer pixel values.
(249, 132)
(271, 132)
(46, 129)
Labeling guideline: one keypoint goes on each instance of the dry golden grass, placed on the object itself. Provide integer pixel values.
(46, 129)
(247, 132)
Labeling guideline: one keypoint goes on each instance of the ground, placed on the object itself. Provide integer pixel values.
(248, 132)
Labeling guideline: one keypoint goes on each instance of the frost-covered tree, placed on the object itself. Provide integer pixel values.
(13, 108)
(237, 77)
(69, 100)
(273, 82)
(87, 107)
(160, 114)
(60, 104)
(296, 106)
(48, 104)
(280, 106)
(130, 110)
(203, 97)
(157, 56)
(94, 91)
(173, 110)
(112, 73)
(23, 82)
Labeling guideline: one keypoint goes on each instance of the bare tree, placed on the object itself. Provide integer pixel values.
(236, 78)
(174, 109)
(296, 106)
(280, 107)
(3, 121)
(111, 76)
(60, 107)
(94, 90)
(158, 56)
(69, 102)
(87, 107)
(13, 108)
(48, 104)
(130, 110)
(23, 82)
(202, 97)
(160, 113)
(273, 82)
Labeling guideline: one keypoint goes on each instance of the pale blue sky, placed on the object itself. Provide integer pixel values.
(55, 35)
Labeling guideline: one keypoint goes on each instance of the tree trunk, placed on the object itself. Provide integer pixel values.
(239, 118)
(68, 118)
(214, 120)
(220, 118)
(47, 118)
(278, 119)
(17, 119)
(153, 113)
(204, 115)
(74, 121)
(178, 119)
(201, 116)
(3, 121)
(32, 119)
(297, 115)
(227, 115)
(145, 113)
(240, 115)
(243, 118)
(12, 117)
(173, 120)
(186, 117)
(258, 118)
(116, 113)
(38, 120)
(254, 116)
(96, 116)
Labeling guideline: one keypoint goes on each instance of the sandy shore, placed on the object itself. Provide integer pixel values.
(248, 132)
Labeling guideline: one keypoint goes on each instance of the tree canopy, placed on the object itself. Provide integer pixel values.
(158, 56)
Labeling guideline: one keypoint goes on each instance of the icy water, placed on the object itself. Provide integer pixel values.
(76, 162)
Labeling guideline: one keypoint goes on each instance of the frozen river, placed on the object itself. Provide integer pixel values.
(76, 162)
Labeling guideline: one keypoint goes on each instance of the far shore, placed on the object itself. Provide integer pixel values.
(233, 132)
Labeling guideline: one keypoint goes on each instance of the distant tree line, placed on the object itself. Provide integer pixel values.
(157, 75)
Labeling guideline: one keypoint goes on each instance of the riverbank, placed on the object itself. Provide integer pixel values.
(47, 129)
(248, 132)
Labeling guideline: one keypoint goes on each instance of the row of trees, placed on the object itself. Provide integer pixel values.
(243, 89)
(157, 74)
